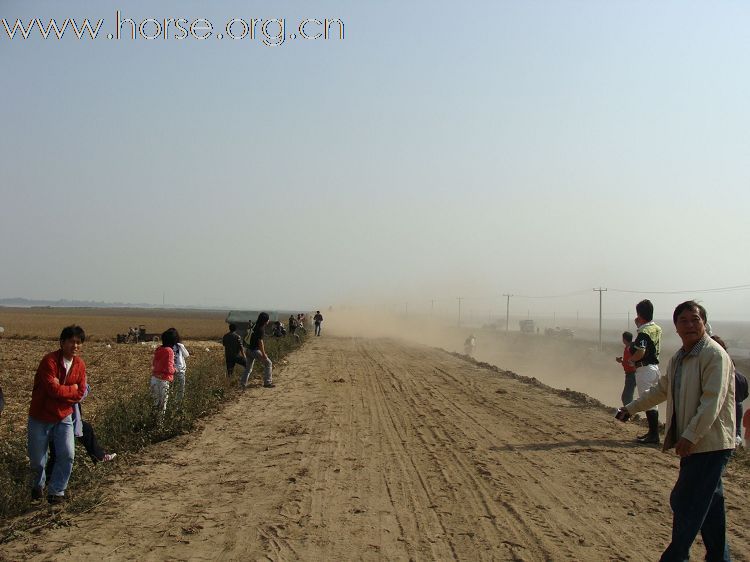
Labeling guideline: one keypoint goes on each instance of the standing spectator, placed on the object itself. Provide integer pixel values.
(629, 368)
(234, 354)
(645, 350)
(740, 391)
(180, 364)
(162, 371)
(59, 383)
(699, 389)
(292, 324)
(318, 319)
(257, 350)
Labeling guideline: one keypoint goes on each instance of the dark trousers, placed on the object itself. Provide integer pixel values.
(232, 361)
(89, 441)
(738, 412)
(697, 502)
(317, 328)
(629, 389)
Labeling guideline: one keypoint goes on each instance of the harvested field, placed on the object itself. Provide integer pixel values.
(103, 324)
(113, 372)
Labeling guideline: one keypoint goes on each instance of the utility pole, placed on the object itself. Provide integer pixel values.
(628, 324)
(432, 307)
(459, 310)
(406, 309)
(600, 291)
(507, 311)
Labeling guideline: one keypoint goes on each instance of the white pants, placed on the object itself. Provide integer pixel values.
(179, 379)
(160, 393)
(645, 378)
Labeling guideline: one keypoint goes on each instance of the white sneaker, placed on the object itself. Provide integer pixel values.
(738, 441)
(109, 457)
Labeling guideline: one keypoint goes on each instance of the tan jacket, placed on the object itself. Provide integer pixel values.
(706, 411)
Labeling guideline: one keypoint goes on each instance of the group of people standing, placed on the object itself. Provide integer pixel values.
(245, 351)
(169, 364)
(699, 388)
(56, 417)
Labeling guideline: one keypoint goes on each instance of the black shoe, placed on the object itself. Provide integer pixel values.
(36, 493)
(649, 440)
(269, 385)
(55, 500)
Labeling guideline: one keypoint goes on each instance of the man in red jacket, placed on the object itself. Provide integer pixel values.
(60, 382)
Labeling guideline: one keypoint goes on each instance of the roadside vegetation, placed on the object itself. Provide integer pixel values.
(125, 424)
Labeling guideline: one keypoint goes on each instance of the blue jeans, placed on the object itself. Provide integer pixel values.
(267, 367)
(697, 502)
(40, 434)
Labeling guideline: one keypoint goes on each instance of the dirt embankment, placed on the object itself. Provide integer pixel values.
(371, 449)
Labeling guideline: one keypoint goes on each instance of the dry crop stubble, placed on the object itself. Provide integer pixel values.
(114, 372)
(103, 324)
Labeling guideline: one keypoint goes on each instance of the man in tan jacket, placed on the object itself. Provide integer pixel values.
(698, 386)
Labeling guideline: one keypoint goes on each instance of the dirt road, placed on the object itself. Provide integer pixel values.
(374, 450)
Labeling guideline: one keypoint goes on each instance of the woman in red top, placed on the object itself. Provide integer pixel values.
(162, 371)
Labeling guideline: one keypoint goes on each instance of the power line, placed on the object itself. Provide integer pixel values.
(715, 290)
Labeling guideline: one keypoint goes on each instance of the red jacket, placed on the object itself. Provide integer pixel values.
(626, 355)
(53, 395)
(163, 365)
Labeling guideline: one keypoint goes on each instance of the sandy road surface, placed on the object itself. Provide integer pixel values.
(369, 449)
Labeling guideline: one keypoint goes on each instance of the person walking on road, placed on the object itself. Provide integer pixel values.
(698, 387)
(234, 354)
(645, 357)
(257, 350)
(318, 319)
(59, 383)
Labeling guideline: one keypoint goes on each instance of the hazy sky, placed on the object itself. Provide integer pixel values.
(441, 149)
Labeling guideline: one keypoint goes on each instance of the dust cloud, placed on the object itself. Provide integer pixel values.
(561, 363)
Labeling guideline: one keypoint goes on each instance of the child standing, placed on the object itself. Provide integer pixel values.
(180, 364)
(629, 368)
(162, 371)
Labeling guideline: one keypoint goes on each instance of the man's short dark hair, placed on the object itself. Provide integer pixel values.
(72, 331)
(232, 327)
(645, 310)
(627, 336)
(689, 305)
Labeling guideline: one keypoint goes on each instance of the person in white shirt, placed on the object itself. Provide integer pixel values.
(180, 364)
